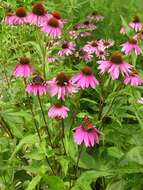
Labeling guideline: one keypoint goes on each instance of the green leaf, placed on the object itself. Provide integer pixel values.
(115, 152)
(118, 185)
(28, 140)
(84, 181)
(54, 183)
(135, 155)
(32, 185)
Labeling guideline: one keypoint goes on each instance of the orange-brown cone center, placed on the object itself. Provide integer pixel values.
(62, 79)
(53, 22)
(87, 70)
(21, 12)
(116, 58)
(38, 9)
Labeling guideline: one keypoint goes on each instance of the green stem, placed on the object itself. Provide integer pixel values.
(32, 112)
(63, 135)
(42, 111)
(78, 158)
(6, 127)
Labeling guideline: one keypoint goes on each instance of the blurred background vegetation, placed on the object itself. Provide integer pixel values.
(75, 10)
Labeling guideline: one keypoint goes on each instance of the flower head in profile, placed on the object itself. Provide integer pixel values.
(84, 34)
(95, 16)
(123, 30)
(101, 54)
(106, 43)
(57, 15)
(85, 78)
(61, 86)
(84, 55)
(136, 24)
(23, 69)
(39, 15)
(114, 66)
(67, 49)
(86, 25)
(133, 79)
(37, 87)
(93, 47)
(58, 111)
(52, 27)
(86, 133)
(130, 46)
(139, 35)
(17, 18)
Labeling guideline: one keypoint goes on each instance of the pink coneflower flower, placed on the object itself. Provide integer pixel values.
(84, 34)
(61, 86)
(101, 54)
(106, 43)
(95, 16)
(93, 47)
(53, 27)
(86, 25)
(58, 111)
(136, 24)
(85, 78)
(123, 30)
(9, 18)
(57, 15)
(17, 18)
(73, 34)
(52, 59)
(39, 15)
(83, 55)
(133, 79)
(37, 87)
(114, 66)
(130, 46)
(67, 49)
(86, 133)
(23, 69)
(139, 35)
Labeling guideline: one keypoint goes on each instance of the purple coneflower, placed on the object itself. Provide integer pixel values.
(85, 78)
(37, 87)
(67, 49)
(106, 43)
(130, 46)
(83, 55)
(93, 47)
(133, 79)
(101, 54)
(114, 66)
(123, 30)
(96, 16)
(84, 34)
(52, 59)
(53, 27)
(23, 69)
(39, 15)
(136, 24)
(86, 133)
(139, 35)
(61, 86)
(86, 25)
(57, 15)
(73, 34)
(58, 111)
(17, 18)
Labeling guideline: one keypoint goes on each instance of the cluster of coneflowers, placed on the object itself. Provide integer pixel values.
(62, 85)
